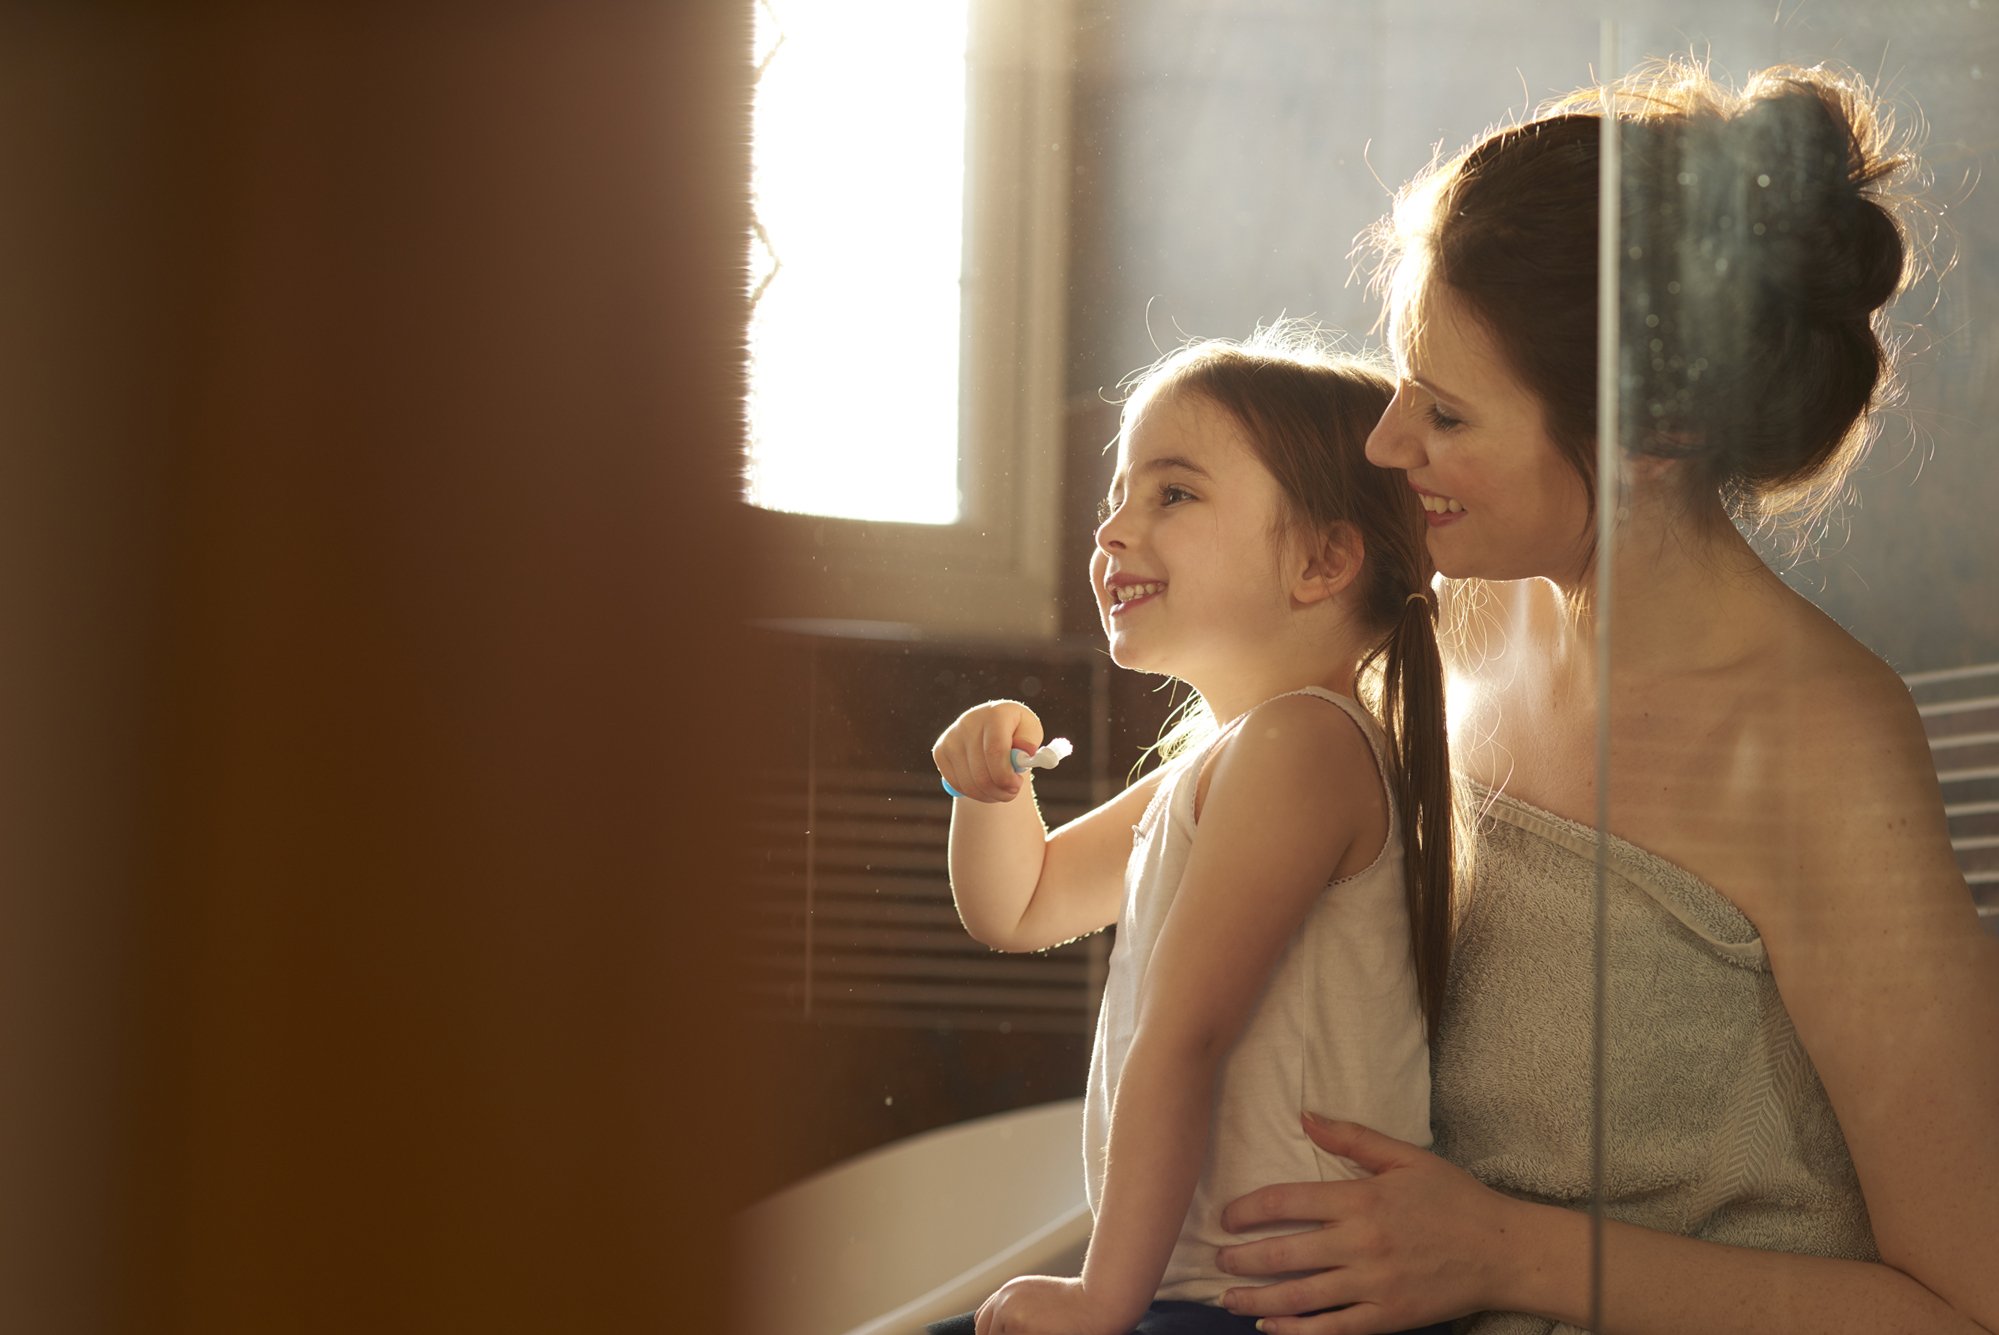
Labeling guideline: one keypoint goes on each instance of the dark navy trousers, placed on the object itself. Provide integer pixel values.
(1170, 1318)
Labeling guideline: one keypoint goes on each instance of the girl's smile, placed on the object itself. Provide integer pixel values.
(1129, 591)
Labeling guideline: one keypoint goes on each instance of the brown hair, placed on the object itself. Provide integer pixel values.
(1759, 247)
(1307, 412)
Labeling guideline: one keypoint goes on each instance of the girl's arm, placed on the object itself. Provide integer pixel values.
(1017, 886)
(1894, 991)
(1284, 799)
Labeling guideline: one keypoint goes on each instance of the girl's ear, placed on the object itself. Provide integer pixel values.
(1332, 562)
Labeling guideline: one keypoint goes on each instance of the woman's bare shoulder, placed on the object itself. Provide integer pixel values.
(1828, 694)
(1861, 809)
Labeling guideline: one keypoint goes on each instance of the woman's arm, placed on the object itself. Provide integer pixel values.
(1894, 990)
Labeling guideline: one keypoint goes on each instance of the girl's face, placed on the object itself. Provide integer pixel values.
(1189, 566)
(1503, 503)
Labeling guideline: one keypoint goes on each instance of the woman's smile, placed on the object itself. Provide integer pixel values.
(1439, 510)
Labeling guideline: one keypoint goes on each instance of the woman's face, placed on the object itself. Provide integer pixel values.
(1502, 502)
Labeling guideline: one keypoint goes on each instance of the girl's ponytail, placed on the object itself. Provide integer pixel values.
(1412, 707)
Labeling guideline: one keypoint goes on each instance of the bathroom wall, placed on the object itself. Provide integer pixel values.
(1229, 154)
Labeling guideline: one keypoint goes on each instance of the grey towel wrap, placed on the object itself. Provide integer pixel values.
(1718, 1127)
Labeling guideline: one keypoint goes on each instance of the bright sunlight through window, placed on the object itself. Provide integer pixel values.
(857, 159)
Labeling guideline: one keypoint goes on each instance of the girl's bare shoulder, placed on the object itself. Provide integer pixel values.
(1293, 734)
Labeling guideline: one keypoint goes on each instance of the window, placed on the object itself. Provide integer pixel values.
(856, 250)
(906, 355)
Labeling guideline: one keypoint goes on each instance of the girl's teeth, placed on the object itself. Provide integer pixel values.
(1439, 505)
(1124, 593)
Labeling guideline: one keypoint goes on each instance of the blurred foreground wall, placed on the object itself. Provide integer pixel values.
(370, 393)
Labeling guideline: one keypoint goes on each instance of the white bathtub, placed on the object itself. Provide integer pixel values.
(925, 1228)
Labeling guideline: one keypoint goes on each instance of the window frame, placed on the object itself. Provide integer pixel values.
(993, 572)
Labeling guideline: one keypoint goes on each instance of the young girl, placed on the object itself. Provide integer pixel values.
(1281, 886)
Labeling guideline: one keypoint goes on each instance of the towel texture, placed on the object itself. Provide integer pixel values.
(1717, 1126)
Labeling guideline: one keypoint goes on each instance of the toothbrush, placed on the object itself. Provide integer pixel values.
(1048, 757)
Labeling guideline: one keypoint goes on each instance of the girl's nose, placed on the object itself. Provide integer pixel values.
(1110, 531)
(1392, 443)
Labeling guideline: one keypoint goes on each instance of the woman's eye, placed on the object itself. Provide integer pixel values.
(1442, 420)
(1103, 511)
(1173, 495)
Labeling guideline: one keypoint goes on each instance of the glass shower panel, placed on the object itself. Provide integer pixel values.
(1797, 710)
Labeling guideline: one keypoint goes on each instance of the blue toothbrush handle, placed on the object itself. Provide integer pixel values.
(1016, 757)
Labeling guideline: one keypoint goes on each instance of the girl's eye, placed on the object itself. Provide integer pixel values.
(1171, 494)
(1442, 420)
(1103, 511)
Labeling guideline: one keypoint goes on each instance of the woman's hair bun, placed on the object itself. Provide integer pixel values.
(1761, 248)
(1816, 152)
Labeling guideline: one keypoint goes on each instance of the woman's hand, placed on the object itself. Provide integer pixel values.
(974, 754)
(1419, 1242)
(1041, 1305)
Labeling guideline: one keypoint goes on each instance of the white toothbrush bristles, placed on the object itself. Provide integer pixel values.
(1048, 757)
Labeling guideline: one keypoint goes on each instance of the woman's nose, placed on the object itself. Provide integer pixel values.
(1392, 444)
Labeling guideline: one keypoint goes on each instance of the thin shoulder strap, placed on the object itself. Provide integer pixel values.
(1212, 748)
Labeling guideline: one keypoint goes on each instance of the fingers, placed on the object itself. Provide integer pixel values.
(1277, 1306)
(1313, 1249)
(1319, 1202)
(1307, 1293)
(1025, 730)
(1360, 1319)
(996, 754)
(1362, 1144)
(974, 754)
(1286, 1203)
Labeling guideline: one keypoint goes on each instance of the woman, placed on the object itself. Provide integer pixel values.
(1802, 1081)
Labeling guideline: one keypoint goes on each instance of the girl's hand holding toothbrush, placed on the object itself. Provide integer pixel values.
(999, 848)
(974, 755)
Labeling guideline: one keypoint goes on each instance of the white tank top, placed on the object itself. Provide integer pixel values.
(1338, 1031)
